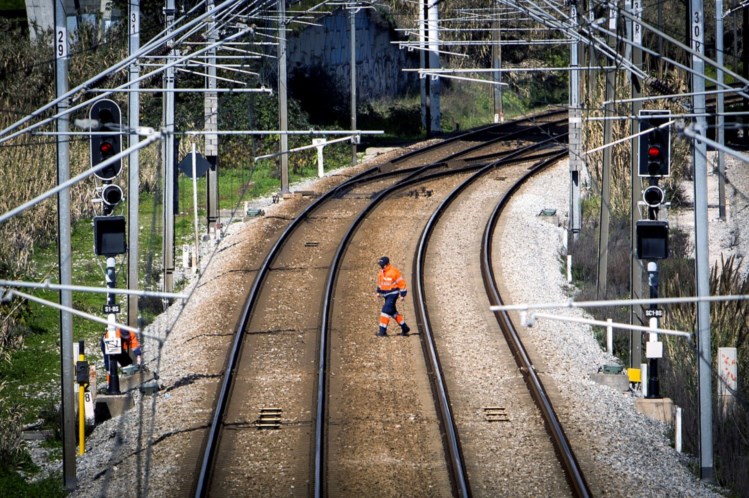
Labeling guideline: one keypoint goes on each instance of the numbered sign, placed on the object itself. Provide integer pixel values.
(112, 345)
(88, 407)
(61, 43)
(134, 22)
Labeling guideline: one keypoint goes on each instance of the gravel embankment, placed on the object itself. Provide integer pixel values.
(623, 452)
(630, 453)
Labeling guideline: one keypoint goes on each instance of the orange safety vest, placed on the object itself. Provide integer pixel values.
(391, 281)
(130, 344)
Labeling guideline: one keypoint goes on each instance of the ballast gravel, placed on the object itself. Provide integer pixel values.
(625, 452)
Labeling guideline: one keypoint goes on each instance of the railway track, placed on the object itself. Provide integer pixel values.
(311, 403)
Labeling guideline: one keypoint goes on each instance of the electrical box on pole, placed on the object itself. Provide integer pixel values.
(652, 239)
(105, 139)
(655, 144)
(109, 235)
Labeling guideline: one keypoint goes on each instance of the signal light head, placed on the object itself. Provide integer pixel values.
(653, 196)
(655, 145)
(112, 195)
(103, 143)
(106, 148)
(109, 235)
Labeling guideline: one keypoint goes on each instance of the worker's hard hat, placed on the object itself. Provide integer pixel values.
(383, 261)
(125, 334)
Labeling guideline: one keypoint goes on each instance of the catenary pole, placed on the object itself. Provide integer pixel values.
(497, 64)
(636, 265)
(133, 184)
(702, 262)
(423, 82)
(283, 116)
(211, 124)
(719, 57)
(434, 63)
(168, 157)
(575, 127)
(352, 73)
(64, 252)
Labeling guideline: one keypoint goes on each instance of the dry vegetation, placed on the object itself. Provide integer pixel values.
(27, 168)
(28, 163)
(729, 327)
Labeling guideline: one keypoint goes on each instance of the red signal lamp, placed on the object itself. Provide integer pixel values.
(654, 152)
(106, 148)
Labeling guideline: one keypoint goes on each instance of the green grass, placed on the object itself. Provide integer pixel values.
(32, 377)
(33, 374)
(13, 485)
(12, 5)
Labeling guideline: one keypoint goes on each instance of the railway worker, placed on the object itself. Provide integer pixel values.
(390, 285)
(130, 347)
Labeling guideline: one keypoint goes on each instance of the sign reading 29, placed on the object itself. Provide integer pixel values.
(61, 42)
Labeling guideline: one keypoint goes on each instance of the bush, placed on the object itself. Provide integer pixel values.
(12, 452)
(679, 373)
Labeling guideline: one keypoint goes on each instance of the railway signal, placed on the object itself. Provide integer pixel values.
(105, 144)
(109, 235)
(653, 196)
(655, 145)
(111, 196)
(652, 239)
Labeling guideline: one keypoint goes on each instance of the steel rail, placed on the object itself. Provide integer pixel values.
(210, 445)
(567, 458)
(222, 400)
(465, 136)
(439, 386)
(414, 177)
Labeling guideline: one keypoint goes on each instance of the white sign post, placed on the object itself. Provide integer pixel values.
(728, 375)
(320, 144)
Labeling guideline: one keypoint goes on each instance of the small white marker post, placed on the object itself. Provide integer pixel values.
(677, 429)
(320, 144)
(728, 377)
(610, 336)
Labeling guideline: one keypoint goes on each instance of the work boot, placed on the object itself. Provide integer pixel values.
(382, 333)
(405, 329)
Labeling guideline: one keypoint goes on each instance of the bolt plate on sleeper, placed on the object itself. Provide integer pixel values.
(270, 418)
(496, 414)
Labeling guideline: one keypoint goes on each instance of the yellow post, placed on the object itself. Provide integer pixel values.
(81, 413)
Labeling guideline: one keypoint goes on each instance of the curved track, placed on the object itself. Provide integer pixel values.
(299, 329)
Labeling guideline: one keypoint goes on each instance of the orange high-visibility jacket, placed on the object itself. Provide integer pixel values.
(131, 343)
(391, 282)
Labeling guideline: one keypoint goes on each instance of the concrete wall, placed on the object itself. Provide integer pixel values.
(378, 61)
(41, 14)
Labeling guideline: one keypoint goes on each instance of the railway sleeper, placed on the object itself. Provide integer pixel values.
(270, 418)
(496, 414)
